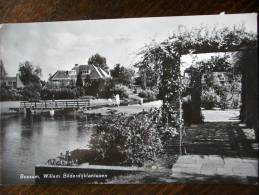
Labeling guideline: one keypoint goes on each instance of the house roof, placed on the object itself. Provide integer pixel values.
(104, 74)
(95, 72)
(9, 78)
(83, 67)
(60, 75)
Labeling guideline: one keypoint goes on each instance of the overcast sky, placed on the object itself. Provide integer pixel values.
(59, 45)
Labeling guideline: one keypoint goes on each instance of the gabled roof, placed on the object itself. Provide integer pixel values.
(60, 75)
(95, 72)
(104, 74)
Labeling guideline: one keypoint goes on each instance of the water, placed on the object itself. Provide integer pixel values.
(28, 141)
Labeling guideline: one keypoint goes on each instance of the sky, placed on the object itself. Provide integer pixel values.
(192, 59)
(59, 45)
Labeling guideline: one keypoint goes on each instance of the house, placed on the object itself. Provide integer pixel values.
(64, 78)
(90, 72)
(13, 82)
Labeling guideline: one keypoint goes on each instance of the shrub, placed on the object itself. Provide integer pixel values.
(106, 90)
(93, 87)
(31, 93)
(122, 90)
(148, 95)
(64, 93)
(209, 99)
(9, 94)
(224, 102)
(224, 94)
(131, 140)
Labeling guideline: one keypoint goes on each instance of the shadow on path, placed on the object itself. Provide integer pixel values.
(219, 138)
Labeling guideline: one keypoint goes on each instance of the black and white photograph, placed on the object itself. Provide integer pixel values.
(130, 101)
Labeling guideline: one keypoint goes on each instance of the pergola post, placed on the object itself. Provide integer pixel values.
(170, 91)
(196, 89)
(249, 93)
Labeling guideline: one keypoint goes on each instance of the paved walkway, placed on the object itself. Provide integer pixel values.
(221, 115)
(213, 168)
(220, 152)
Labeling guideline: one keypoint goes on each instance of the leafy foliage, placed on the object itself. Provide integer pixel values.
(123, 75)
(136, 138)
(148, 95)
(63, 93)
(9, 94)
(164, 59)
(98, 61)
(31, 92)
(122, 90)
(29, 74)
(209, 99)
(93, 87)
(79, 82)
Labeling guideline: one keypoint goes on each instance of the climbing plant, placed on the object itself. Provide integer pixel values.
(164, 58)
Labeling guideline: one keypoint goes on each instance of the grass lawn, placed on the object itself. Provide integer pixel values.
(131, 109)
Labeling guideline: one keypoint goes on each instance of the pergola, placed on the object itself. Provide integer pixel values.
(166, 58)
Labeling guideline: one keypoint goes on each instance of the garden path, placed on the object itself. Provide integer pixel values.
(220, 150)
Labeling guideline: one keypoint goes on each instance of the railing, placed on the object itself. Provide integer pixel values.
(56, 104)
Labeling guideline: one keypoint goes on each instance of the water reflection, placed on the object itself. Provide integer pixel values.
(27, 141)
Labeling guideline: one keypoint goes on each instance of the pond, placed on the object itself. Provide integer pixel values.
(27, 141)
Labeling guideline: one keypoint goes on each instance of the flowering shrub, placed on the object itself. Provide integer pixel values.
(131, 140)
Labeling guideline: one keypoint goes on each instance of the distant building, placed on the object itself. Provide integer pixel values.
(13, 82)
(68, 78)
(90, 72)
(62, 78)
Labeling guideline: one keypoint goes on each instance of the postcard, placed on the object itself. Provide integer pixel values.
(130, 101)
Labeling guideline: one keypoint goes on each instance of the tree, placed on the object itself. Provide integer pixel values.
(98, 61)
(123, 75)
(150, 66)
(29, 74)
(79, 82)
(2, 70)
(116, 71)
